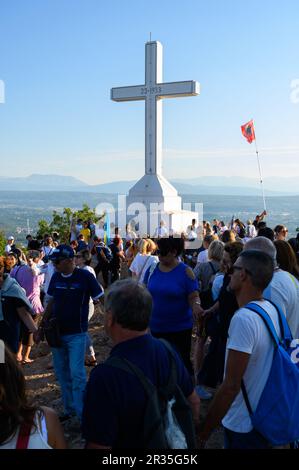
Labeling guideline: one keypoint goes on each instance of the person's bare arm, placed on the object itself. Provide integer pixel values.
(210, 312)
(38, 335)
(235, 369)
(194, 402)
(48, 311)
(56, 437)
(26, 318)
(93, 445)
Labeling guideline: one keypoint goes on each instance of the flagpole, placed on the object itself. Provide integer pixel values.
(260, 172)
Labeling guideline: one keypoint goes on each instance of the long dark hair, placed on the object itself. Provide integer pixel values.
(14, 408)
(286, 258)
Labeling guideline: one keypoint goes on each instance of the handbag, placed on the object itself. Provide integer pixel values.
(52, 332)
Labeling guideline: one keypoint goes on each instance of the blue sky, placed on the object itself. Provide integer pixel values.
(59, 59)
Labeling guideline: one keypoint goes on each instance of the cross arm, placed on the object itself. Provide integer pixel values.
(128, 93)
(179, 89)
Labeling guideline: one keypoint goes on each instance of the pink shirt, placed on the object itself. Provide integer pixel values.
(31, 283)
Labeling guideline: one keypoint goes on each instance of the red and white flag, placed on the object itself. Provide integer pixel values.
(248, 131)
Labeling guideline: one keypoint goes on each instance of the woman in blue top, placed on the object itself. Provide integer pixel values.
(176, 302)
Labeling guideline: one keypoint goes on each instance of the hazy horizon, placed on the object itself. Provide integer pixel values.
(59, 60)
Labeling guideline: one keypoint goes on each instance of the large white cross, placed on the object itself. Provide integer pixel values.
(152, 92)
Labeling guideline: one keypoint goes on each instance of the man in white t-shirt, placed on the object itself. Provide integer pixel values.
(283, 290)
(10, 244)
(249, 354)
(161, 231)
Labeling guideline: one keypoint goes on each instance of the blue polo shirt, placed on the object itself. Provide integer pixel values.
(115, 400)
(170, 290)
(71, 296)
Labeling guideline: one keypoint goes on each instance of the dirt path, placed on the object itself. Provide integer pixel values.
(44, 390)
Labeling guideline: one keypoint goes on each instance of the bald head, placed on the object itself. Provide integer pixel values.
(262, 244)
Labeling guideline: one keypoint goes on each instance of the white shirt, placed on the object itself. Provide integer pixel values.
(130, 236)
(48, 270)
(283, 290)
(161, 232)
(248, 333)
(100, 233)
(90, 269)
(8, 249)
(141, 264)
(251, 231)
(203, 257)
(38, 438)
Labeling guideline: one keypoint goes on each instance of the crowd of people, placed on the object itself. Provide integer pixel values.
(194, 299)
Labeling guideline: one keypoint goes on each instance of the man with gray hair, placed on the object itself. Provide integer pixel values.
(282, 290)
(115, 400)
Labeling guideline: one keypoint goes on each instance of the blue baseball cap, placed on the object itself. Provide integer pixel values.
(62, 252)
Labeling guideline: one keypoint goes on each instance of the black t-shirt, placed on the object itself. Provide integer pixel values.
(33, 245)
(115, 262)
(10, 326)
(227, 306)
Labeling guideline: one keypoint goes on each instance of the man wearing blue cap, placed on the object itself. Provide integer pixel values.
(69, 292)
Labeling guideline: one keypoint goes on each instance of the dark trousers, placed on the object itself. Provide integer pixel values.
(212, 369)
(181, 340)
(115, 274)
(105, 271)
(247, 440)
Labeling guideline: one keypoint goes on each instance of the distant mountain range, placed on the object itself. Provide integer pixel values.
(208, 185)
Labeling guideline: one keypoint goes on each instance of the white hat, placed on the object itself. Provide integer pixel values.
(11, 238)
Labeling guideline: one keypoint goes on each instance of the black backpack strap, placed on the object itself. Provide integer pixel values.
(127, 366)
(246, 399)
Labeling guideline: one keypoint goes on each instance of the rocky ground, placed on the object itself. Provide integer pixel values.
(44, 390)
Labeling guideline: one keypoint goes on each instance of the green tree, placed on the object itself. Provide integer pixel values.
(2, 243)
(61, 222)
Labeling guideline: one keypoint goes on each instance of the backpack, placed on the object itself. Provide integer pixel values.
(168, 421)
(107, 253)
(277, 413)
